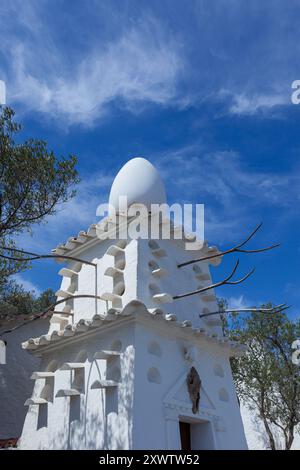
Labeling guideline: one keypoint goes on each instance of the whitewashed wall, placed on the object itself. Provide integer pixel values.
(161, 396)
(93, 420)
(15, 383)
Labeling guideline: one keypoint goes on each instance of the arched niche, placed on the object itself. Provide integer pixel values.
(153, 245)
(153, 265)
(52, 366)
(218, 370)
(114, 373)
(116, 345)
(153, 375)
(121, 244)
(197, 269)
(47, 392)
(154, 289)
(223, 395)
(154, 348)
(118, 286)
(81, 356)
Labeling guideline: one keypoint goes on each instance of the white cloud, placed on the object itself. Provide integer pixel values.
(253, 102)
(27, 284)
(77, 67)
(234, 196)
(240, 302)
(138, 66)
(233, 193)
(243, 104)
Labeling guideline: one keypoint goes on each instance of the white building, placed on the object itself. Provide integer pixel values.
(114, 370)
(15, 373)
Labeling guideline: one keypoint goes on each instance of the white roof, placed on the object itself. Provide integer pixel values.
(135, 309)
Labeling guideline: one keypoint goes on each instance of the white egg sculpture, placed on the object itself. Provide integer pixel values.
(140, 182)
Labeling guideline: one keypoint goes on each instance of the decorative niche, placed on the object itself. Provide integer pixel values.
(154, 349)
(153, 375)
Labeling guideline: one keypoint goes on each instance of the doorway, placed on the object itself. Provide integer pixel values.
(196, 435)
(185, 435)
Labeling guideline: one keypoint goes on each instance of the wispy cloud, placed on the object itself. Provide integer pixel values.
(27, 284)
(79, 66)
(253, 102)
(139, 65)
(234, 195)
(233, 192)
(245, 105)
(241, 302)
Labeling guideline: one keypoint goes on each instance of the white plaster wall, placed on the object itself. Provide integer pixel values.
(178, 281)
(91, 421)
(137, 277)
(131, 272)
(256, 435)
(150, 429)
(15, 383)
(85, 308)
(139, 419)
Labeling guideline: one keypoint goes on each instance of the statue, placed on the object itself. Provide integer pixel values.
(194, 384)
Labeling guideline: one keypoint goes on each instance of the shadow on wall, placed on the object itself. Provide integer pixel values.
(98, 418)
(16, 385)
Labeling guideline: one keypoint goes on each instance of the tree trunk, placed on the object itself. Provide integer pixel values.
(270, 434)
(289, 438)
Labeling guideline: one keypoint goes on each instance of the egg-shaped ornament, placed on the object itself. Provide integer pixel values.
(140, 182)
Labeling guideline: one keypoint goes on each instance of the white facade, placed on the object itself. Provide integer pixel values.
(15, 383)
(113, 371)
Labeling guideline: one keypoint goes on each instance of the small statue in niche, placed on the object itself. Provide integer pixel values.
(193, 384)
(190, 354)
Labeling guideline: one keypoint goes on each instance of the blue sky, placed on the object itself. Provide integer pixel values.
(200, 88)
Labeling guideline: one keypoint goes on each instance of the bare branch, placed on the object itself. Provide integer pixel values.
(225, 281)
(38, 315)
(35, 256)
(235, 249)
(276, 309)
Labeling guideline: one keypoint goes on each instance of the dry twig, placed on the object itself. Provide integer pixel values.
(225, 281)
(236, 249)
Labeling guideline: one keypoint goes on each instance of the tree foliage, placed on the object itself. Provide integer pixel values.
(15, 300)
(33, 182)
(266, 378)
